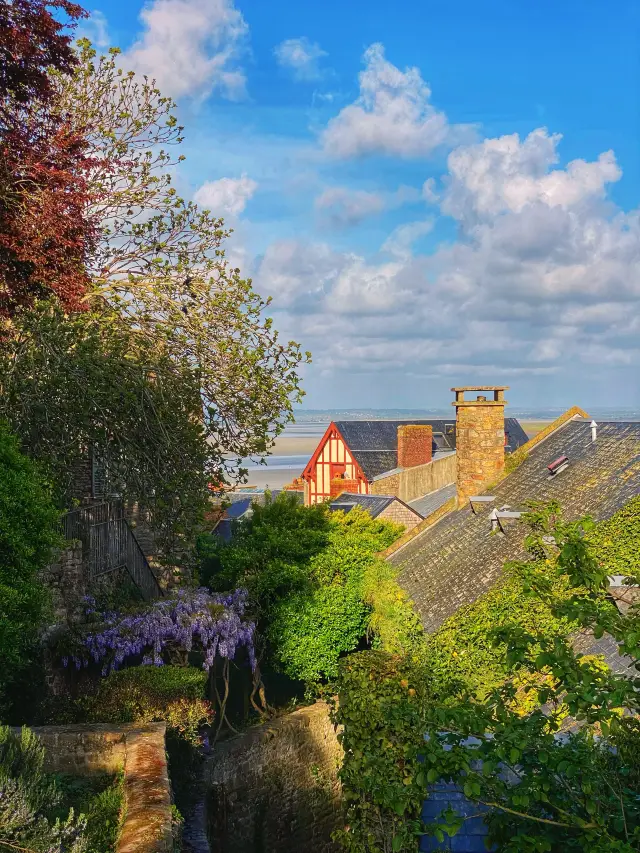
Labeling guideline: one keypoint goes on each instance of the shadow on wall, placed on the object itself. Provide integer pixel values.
(275, 789)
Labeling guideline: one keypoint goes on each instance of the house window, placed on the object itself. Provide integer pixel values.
(337, 469)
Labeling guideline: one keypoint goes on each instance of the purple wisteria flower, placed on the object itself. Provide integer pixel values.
(192, 618)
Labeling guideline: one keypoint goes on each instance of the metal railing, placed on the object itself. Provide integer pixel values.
(108, 544)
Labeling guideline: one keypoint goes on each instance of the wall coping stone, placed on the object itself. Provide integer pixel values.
(139, 750)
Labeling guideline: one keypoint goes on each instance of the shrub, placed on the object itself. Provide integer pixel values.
(144, 694)
(100, 799)
(305, 570)
(28, 534)
(26, 794)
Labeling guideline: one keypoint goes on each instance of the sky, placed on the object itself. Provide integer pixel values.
(433, 193)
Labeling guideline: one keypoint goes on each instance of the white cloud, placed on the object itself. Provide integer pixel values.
(429, 191)
(96, 29)
(342, 206)
(505, 174)
(348, 207)
(392, 115)
(400, 241)
(301, 56)
(543, 279)
(226, 196)
(190, 47)
(297, 275)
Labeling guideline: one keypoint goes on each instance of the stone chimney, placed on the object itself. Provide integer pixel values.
(415, 442)
(340, 484)
(479, 439)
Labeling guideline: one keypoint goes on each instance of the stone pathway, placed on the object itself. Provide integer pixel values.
(194, 831)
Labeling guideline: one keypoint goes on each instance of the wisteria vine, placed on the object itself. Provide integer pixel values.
(191, 618)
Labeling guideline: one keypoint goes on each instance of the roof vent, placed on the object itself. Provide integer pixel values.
(594, 430)
(558, 466)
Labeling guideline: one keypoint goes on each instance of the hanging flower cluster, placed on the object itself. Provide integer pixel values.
(190, 619)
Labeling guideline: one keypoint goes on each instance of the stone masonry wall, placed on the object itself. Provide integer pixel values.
(66, 578)
(84, 750)
(415, 442)
(479, 447)
(398, 513)
(415, 482)
(275, 787)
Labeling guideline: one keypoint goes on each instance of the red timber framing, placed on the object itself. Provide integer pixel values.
(330, 459)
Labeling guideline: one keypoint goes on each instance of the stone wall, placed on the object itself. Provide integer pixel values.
(411, 483)
(276, 787)
(140, 752)
(398, 513)
(66, 578)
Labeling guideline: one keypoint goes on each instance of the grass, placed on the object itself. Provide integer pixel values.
(101, 800)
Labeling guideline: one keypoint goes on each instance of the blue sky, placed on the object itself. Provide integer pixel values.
(433, 193)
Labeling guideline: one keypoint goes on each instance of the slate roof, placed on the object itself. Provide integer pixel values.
(454, 562)
(434, 500)
(375, 443)
(374, 504)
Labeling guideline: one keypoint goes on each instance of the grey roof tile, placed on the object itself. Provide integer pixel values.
(434, 500)
(455, 562)
(374, 504)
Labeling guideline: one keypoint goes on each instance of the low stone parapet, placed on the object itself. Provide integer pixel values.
(137, 750)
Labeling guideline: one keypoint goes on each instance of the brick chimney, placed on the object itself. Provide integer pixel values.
(340, 484)
(480, 439)
(415, 442)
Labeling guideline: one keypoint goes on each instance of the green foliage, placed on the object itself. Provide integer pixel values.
(100, 799)
(406, 727)
(381, 705)
(308, 572)
(463, 654)
(143, 694)
(28, 535)
(29, 798)
(514, 460)
(70, 383)
(615, 542)
(394, 625)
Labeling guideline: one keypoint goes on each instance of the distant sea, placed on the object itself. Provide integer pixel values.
(299, 439)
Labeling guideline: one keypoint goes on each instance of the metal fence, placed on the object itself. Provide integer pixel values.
(108, 544)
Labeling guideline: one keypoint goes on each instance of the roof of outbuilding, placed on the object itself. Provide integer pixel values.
(454, 562)
(375, 443)
(374, 504)
(434, 500)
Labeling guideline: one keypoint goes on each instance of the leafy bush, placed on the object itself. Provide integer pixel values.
(27, 795)
(100, 799)
(144, 694)
(408, 726)
(28, 534)
(305, 570)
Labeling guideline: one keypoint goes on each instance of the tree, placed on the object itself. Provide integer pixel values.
(46, 231)
(549, 758)
(160, 262)
(307, 571)
(28, 534)
(73, 382)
